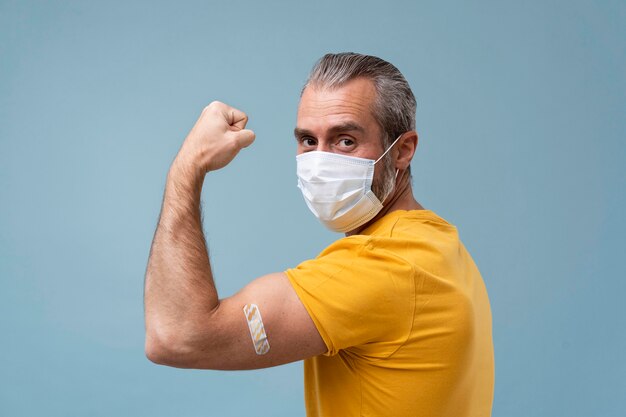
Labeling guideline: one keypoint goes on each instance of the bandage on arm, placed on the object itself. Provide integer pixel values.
(257, 330)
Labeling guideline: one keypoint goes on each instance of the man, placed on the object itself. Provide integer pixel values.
(392, 320)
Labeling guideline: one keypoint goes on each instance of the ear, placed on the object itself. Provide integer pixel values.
(406, 149)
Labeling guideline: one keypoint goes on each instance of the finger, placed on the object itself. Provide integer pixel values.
(245, 137)
(235, 118)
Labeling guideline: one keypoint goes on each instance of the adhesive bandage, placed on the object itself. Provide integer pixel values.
(257, 331)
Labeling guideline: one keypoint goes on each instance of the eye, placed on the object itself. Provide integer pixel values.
(308, 141)
(346, 143)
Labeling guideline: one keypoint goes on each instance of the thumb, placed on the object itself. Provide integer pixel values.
(245, 137)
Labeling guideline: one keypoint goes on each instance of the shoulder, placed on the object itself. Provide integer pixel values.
(357, 291)
(360, 255)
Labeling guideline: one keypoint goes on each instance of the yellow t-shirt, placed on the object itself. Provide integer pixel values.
(405, 316)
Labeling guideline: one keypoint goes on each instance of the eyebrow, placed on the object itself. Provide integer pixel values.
(342, 127)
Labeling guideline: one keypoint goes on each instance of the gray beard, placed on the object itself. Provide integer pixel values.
(387, 180)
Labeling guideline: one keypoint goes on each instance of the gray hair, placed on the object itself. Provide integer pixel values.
(394, 106)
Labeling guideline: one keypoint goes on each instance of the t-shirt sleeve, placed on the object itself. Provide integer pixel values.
(359, 295)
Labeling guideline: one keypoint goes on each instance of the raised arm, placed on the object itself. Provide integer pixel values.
(187, 325)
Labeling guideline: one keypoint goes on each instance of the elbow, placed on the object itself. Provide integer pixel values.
(155, 351)
(180, 344)
(166, 349)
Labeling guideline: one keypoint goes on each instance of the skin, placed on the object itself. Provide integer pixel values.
(187, 325)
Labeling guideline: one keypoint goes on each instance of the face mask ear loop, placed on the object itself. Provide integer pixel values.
(388, 149)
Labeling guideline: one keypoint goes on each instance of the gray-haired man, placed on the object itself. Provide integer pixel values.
(391, 320)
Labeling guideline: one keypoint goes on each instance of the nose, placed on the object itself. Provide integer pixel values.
(323, 146)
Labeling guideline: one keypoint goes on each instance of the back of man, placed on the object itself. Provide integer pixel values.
(404, 313)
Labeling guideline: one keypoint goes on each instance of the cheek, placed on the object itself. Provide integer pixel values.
(384, 170)
(379, 174)
(299, 148)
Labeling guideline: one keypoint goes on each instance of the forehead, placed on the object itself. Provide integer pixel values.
(321, 108)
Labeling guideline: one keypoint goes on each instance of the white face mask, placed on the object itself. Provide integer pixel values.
(338, 188)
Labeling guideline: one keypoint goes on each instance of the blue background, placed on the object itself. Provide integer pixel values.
(522, 128)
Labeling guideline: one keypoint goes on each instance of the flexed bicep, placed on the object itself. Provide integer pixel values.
(263, 325)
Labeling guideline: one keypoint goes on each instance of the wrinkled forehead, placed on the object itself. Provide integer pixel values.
(351, 103)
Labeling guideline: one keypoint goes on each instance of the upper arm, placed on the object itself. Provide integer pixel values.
(223, 341)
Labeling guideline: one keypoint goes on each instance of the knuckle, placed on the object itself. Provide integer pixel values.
(214, 105)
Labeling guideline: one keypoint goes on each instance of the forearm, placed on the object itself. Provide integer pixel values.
(179, 288)
(181, 303)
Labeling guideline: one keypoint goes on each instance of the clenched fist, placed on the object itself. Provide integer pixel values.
(216, 138)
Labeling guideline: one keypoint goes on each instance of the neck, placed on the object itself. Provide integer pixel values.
(401, 199)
